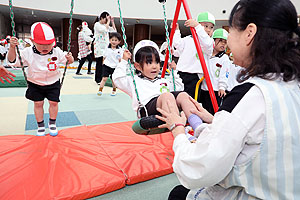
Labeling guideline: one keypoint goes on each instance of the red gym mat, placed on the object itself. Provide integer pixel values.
(81, 162)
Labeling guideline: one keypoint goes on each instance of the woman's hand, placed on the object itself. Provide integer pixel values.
(201, 112)
(171, 117)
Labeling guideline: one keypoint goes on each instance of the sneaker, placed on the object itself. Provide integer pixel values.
(78, 73)
(98, 83)
(41, 131)
(90, 73)
(53, 130)
(113, 93)
(99, 93)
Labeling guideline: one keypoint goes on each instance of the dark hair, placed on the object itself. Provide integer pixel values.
(274, 49)
(146, 54)
(116, 35)
(79, 28)
(101, 16)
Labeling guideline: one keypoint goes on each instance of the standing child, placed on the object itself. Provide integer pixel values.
(112, 57)
(218, 68)
(188, 65)
(43, 76)
(154, 91)
(251, 147)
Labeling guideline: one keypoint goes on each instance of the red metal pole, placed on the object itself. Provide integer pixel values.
(171, 36)
(202, 61)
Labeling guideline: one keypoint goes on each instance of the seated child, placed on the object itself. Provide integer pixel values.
(43, 75)
(112, 57)
(218, 68)
(154, 91)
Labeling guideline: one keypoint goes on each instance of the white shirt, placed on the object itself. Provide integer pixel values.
(218, 69)
(113, 57)
(101, 38)
(231, 138)
(147, 89)
(185, 47)
(233, 72)
(42, 69)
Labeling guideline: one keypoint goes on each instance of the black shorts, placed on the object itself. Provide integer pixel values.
(151, 105)
(36, 92)
(2, 56)
(107, 71)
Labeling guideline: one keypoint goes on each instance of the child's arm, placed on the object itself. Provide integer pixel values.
(120, 79)
(178, 42)
(11, 55)
(224, 75)
(6, 75)
(206, 42)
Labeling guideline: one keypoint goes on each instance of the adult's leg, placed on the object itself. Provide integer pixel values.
(81, 62)
(98, 74)
(89, 58)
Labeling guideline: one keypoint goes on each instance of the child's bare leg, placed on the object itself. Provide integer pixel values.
(102, 83)
(39, 110)
(114, 91)
(53, 110)
(39, 116)
(163, 99)
(186, 105)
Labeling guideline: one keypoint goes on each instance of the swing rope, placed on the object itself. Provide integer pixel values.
(129, 63)
(69, 41)
(14, 35)
(168, 41)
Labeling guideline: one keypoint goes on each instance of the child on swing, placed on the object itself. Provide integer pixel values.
(154, 91)
(43, 76)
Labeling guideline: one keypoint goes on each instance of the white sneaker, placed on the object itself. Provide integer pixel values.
(113, 93)
(41, 131)
(52, 129)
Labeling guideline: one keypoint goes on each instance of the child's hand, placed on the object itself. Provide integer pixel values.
(6, 75)
(221, 93)
(172, 65)
(13, 42)
(126, 55)
(191, 23)
(70, 58)
(177, 26)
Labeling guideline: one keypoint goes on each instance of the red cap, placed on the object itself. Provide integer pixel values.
(42, 33)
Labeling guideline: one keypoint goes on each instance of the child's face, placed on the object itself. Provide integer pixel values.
(220, 44)
(44, 48)
(149, 70)
(208, 27)
(114, 42)
(239, 47)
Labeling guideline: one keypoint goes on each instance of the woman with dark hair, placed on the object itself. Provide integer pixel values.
(101, 29)
(250, 149)
(84, 50)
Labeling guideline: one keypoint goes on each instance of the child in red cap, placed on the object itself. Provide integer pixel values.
(43, 76)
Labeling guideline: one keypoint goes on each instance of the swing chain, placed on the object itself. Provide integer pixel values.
(126, 46)
(14, 35)
(69, 41)
(168, 41)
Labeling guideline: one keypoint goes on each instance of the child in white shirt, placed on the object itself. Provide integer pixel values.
(42, 72)
(112, 57)
(153, 90)
(188, 65)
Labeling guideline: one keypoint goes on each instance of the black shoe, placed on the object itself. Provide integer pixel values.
(78, 73)
(90, 73)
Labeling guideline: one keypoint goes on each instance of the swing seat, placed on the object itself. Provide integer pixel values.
(148, 126)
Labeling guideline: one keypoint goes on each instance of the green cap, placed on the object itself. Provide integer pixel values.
(220, 33)
(206, 17)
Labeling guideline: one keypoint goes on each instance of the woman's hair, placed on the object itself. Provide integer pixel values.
(101, 16)
(146, 55)
(116, 35)
(275, 47)
(79, 28)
